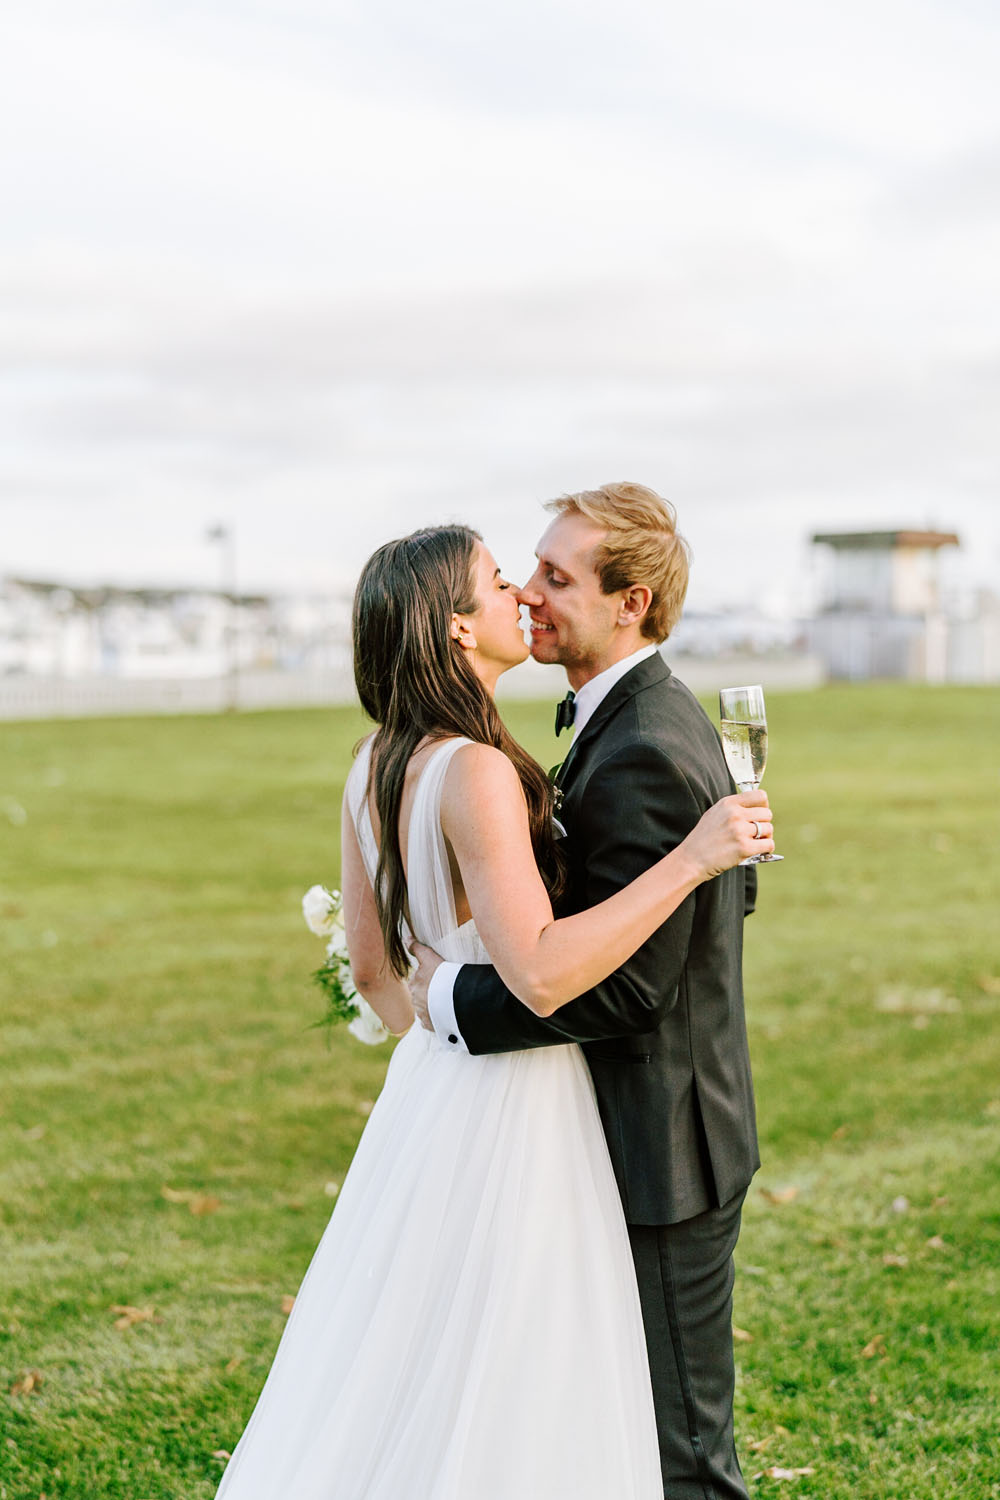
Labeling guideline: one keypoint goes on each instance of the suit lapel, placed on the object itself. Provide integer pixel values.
(654, 669)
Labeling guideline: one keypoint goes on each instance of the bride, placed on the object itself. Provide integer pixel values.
(469, 1328)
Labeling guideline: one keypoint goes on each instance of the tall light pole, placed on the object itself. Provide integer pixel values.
(225, 538)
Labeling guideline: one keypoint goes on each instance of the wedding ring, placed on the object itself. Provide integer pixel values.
(756, 828)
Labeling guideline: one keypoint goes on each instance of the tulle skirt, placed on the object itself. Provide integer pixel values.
(469, 1328)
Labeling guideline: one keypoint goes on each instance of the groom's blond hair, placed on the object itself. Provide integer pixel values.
(642, 545)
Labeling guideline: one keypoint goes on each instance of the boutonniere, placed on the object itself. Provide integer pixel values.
(557, 791)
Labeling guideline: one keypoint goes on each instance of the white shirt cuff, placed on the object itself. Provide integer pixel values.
(441, 1006)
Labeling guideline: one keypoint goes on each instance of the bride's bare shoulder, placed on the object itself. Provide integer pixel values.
(478, 776)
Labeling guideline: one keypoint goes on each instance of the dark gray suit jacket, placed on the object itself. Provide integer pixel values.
(665, 1035)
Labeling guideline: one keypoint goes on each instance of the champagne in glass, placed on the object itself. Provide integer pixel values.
(744, 744)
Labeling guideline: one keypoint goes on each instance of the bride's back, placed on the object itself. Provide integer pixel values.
(437, 911)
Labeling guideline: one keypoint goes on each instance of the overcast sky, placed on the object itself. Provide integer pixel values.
(331, 269)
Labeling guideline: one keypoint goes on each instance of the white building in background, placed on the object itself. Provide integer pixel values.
(883, 613)
(69, 649)
(59, 630)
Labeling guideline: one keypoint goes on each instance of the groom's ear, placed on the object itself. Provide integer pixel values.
(635, 604)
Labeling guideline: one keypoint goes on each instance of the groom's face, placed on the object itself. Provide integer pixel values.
(572, 621)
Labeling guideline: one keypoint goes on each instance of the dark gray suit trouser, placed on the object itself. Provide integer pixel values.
(685, 1275)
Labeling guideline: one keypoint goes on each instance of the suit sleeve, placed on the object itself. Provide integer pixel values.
(636, 806)
(750, 890)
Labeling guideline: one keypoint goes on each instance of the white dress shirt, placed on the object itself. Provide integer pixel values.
(441, 990)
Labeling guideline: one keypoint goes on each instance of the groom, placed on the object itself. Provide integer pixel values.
(664, 1036)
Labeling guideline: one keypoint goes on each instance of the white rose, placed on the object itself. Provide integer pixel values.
(337, 946)
(366, 1027)
(321, 909)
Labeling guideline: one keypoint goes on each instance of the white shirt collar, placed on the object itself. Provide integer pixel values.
(593, 693)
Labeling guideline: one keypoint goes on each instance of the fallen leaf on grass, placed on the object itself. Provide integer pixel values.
(989, 984)
(129, 1316)
(765, 1442)
(28, 1385)
(777, 1473)
(222, 1455)
(840, 1132)
(198, 1204)
(780, 1195)
(174, 1195)
(936, 1243)
(900, 1205)
(234, 1363)
(332, 1189)
(287, 1303)
(874, 1347)
(895, 1260)
(365, 1106)
(741, 1336)
(204, 1203)
(940, 1201)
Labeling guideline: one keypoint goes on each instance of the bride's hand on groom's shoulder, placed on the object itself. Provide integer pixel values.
(420, 978)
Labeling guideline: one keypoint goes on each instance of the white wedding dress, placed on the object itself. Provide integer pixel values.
(469, 1328)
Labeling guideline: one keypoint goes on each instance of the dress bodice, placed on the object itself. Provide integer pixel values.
(430, 895)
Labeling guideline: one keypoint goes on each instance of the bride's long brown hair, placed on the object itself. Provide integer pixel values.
(415, 681)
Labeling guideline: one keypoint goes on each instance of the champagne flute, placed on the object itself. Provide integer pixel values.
(744, 744)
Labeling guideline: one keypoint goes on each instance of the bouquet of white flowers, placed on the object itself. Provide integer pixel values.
(323, 911)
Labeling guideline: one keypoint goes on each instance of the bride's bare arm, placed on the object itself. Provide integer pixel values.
(388, 996)
(545, 962)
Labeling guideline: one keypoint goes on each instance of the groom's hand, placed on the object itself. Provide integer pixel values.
(427, 962)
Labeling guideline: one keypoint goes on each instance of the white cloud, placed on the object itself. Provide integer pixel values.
(337, 269)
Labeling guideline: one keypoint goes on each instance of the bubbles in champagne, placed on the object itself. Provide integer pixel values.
(745, 748)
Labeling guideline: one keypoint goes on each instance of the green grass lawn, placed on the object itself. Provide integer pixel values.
(171, 1131)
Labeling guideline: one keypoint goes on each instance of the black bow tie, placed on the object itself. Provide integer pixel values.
(565, 712)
